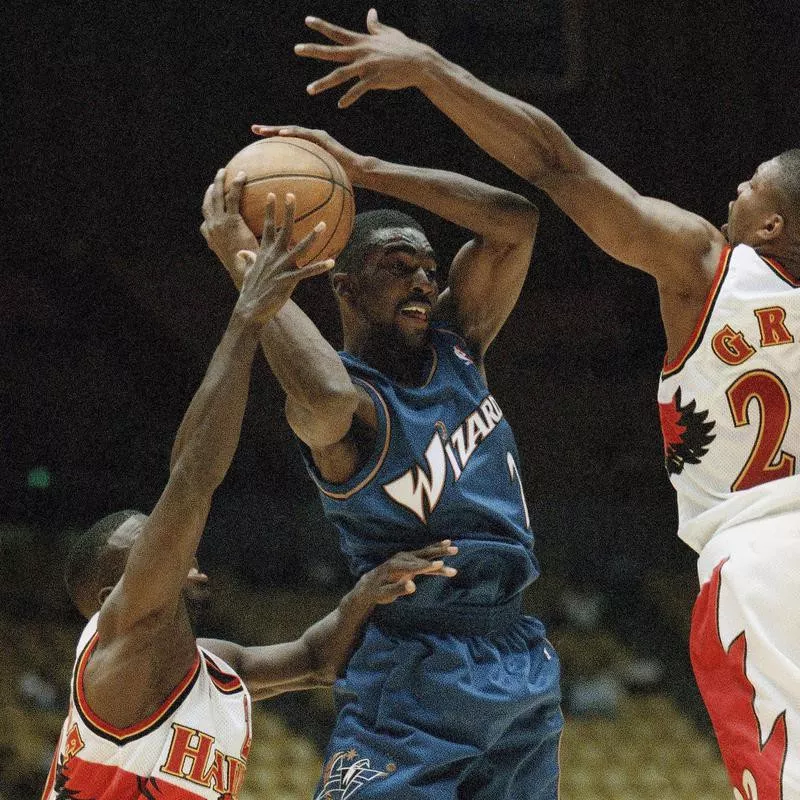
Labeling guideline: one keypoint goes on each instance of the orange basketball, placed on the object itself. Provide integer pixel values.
(323, 192)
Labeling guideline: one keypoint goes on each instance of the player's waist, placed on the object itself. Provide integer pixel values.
(461, 619)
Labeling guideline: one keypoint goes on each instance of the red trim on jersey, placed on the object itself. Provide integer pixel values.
(51, 775)
(226, 682)
(671, 367)
(781, 271)
(105, 782)
(381, 457)
(123, 735)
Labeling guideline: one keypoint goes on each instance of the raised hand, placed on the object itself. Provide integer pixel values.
(351, 162)
(382, 58)
(223, 226)
(270, 275)
(394, 578)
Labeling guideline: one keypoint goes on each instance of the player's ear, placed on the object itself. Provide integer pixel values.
(102, 594)
(342, 285)
(772, 227)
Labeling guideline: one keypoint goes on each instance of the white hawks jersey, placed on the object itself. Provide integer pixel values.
(194, 747)
(731, 431)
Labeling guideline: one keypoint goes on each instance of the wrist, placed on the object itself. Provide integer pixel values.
(370, 170)
(360, 169)
(429, 65)
(244, 323)
(357, 602)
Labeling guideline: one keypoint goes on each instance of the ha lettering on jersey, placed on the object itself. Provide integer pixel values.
(193, 747)
(731, 434)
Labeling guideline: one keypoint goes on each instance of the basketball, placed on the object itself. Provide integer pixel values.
(323, 192)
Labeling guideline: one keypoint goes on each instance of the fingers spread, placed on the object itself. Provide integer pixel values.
(268, 232)
(324, 52)
(303, 244)
(335, 78)
(317, 268)
(285, 235)
(354, 93)
(331, 31)
(218, 192)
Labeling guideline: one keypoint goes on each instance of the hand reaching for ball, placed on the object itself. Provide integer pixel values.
(224, 227)
(352, 163)
(271, 274)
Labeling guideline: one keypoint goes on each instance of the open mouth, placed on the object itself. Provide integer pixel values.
(416, 310)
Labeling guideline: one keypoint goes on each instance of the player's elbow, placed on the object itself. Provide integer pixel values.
(324, 419)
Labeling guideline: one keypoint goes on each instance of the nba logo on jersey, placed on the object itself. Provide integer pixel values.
(463, 355)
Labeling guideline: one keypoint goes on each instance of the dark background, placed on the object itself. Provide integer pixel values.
(117, 116)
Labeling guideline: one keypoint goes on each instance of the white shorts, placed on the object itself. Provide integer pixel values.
(745, 650)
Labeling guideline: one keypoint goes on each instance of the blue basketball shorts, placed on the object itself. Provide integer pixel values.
(444, 717)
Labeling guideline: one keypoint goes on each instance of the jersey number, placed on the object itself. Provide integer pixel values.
(767, 462)
(515, 476)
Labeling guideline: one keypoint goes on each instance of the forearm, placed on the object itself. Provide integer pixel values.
(330, 641)
(209, 433)
(493, 213)
(515, 133)
(309, 370)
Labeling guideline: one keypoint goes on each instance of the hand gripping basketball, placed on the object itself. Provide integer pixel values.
(271, 274)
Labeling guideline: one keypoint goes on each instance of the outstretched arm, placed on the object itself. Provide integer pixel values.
(162, 554)
(320, 397)
(679, 248)
(487, 274)
(320, 654)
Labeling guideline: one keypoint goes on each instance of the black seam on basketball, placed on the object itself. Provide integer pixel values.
(313, 258)
(304, 149)
(338, 222)
(262, 178)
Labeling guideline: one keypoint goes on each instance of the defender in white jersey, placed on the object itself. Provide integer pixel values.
(153, 712)
(730, 384)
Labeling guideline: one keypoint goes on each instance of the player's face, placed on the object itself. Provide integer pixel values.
(397, 285)
(756, 199)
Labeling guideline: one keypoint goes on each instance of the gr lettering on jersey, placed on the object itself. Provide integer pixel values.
(731, 347)
(420, 489)
(193, 757)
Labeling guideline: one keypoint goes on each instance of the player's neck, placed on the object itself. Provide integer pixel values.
(786, 254)
(391, 356)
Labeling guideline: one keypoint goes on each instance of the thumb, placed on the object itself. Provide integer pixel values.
(245, 259)
(373, 26)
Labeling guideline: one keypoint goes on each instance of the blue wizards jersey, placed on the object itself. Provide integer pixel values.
(444, 466)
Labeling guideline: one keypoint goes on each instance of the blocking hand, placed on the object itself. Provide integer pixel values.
(382, 58)
(271, 274)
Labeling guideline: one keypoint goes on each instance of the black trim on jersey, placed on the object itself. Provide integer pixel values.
(226, 682)
(123, 738)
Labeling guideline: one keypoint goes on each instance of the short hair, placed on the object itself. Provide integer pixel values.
(351, 259)
(789, 181)
(84, 557)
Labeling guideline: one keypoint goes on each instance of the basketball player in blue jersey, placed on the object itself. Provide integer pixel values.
(453, 693)
(153, 711)
(729, 390)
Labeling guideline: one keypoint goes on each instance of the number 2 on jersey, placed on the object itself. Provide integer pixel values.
(767, 462)
(515, 476)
